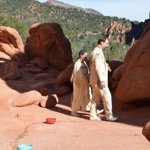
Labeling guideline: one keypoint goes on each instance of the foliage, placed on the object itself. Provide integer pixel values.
(12, 22)
(116, 51)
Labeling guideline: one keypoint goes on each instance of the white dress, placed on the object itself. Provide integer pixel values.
(80, 79)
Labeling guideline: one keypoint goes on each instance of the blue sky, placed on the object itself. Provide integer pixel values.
(135, 10)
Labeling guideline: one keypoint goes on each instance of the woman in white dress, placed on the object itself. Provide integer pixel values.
(80, 79)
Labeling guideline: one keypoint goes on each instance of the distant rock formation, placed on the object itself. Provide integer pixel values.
(134, 84)
(93, 11)
(65, 5)
(126, 33)
(58, 3)
(135, 32)
(118, 29)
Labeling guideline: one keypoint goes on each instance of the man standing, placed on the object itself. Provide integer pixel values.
(99, 82)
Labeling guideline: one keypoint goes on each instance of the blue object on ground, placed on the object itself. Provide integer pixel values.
(24, 147)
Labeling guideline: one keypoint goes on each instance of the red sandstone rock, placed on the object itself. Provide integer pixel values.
(44, 91)
(9, 70)
(3, 104)
(146, 131)
(48, 42)
(34, 69)
(28, 98)
(52, 54)
(11, 52)
(65, 75)
(49, 101)
(134, 84)
(39, 62)
(10, 42)
(116, 76)
(62, 90)
(114, 64)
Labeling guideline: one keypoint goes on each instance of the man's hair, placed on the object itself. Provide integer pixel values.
(82, 52)
(102, 40)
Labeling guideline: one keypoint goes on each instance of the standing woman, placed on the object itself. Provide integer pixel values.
(80, 79)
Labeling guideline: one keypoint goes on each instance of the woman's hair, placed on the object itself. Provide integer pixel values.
(102, 40)
(82, 52)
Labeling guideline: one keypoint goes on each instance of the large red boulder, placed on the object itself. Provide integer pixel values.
(134, 84)
(11, 52)
(10, 42)
(116, 76)
(27, 98)
(47, 41)
(21, 84)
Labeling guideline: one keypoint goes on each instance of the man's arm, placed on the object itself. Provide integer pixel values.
(99, 66)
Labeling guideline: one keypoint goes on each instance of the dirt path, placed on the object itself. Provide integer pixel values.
(26, 125)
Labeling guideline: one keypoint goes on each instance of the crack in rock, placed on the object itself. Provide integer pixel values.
(25, 131)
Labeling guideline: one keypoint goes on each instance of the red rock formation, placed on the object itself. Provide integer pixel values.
(65, 75)
(134, 84)
(62, 90)
(49, 50)
(50, 53)
(50, 101)
(48, 42)
(116, 76)
(27, 98)
(3, 104)
(11, 49)
(119, 28)
(10, 41)
(9, 70)
(146, 131)
(114, 65)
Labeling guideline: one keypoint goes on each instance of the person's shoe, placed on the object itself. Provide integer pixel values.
(99, 111)
(95, 118)
(111, 118)
(75, 114)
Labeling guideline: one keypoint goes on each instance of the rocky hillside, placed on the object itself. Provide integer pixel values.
(61, 4)
(82, 33)
(58, 3)
(81, 28)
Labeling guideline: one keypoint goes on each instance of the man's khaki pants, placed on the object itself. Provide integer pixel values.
(104, 95)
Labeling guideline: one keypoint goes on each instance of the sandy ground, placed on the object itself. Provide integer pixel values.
(27, 126)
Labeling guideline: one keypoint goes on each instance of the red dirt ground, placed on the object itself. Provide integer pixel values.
(27, 125)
